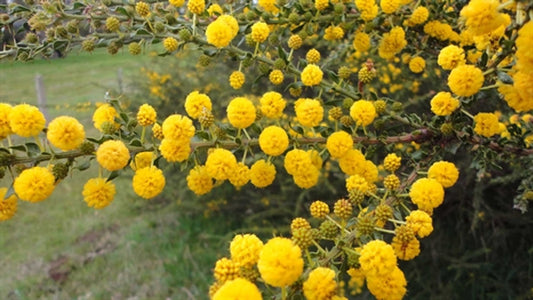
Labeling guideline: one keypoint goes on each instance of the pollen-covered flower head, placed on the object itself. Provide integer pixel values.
(142, 160)
(280, 262)
(240, 176)
(5, 129)
(34, 184)
(465, 80)
(175, 150)
(245, 249)
(238, 289)
(26, 120)
(196, 7)
(268, 6)
(112, 155)
(98, 192)
(361, 42)
(237, 79)
(105, 114)
(260, 32)
(417, 64)
(482, 16)
(420, 222)
(390, 286)
(178, 127)
(307, 178)
(309, 112)
(241, 112)
(352, 162)
(221, 32)
(444, 172)
(146, 115)
(320, 284)
(272, 105)
(443, 104)
(368, 9)
(333, 33)
(262, 173)
(65, 133)
(296, 161)
(273, 140)
(419, 16)
(427, 193)
(377, 259)
(195, 103)
(389, 6)
(199, 180)
(524, 44)
(220, 164)
(486, 124)
(148, 182)
(8, 206)
(358, 183)
(392, 43)
(338, 143)
(363, 112)
(450, 57)
(311, 75)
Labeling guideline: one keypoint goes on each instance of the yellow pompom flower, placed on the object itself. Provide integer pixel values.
(295, 42)
(98, 192)
(280, 262)
(438, 30)
(157, 131)
(260, 32)
(196, 7)
(419, 16)
(220, 164)
(482, 16)
(245, 249)
(221, 32)
(175, 150)
(524, 44)
(417, 64)
(450, 57)
(357, 183)
(236, 79)
(176, 3)
(238, 289)
(319, 209)
(377, 259)
(338, 143)
(146, 115)
(26, 120)
(316, 159)
(143, 9)
(225, 270)
(369, 171)
(427, 193)
(390, 286)
(113, 155)
(240, 176)
(486, 124)
(312, 56)
(392, 43)
(368, 9)
(272, 105)
(352, 162)
(389, 6)
(392, 162)
(321, 4)
(241, 112)
(34, 184)
(333, 33)
(214, 10)
(262, 173)
(309, 112)
(320, 284)
(363, 112)
(5, 129)
(178, 127)
(170, 44)
(268, 6)
(311, 75)
(65, 133)
(307, 178)
(231, 22)
(148, 182)
(8, 206)
(361, 42)
(465, 80)
(276, 77)
(273, 140)
(296, 161)
(420, 222)
(444, 172)
(199, 181)
(195, 103)
(405, 250)
(105, 114)
(142, 160)
(443, 104)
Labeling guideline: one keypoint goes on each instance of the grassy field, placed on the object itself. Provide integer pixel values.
(132, 249)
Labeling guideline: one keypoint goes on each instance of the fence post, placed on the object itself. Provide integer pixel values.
(41, 95)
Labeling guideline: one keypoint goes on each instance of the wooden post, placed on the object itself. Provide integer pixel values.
(41, 95)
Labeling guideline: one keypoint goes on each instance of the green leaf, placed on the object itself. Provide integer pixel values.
(113, 175)
(18, 148)
(202, 134)
(10, 191)
(282, 54)
(83, 166)
(505, 78)
(136, 143)
(33, 149)
(19, 8)
(122, 10)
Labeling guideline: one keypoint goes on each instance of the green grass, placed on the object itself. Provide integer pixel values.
(62, 249)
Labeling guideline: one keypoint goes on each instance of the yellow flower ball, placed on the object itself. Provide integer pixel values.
(316, 159)
(392, 43)
(276, 77)
(311, 75)
(26, 120)
(392, 162)
(390, 286)
(143, 9)
(105, 114)
(368, 9)
(148, 182)
(199, 180)
(361, 42)
(377, 259)
(245, 249)
(363, 112)
(5, 129)
(262, 173)
(369, 171)
(268, 6)
(219, 34)
(358, 183)
(486, 124)
(312, 56)
(196, 7)
(524, 44)
(417, 64)
(338, 143)
(170, 44)
(280, 262)
(309, 112)
(220, 164)
(320, 284)
(175, 150)
(321, 4)
(112, 155)
(443, 104)
(427, 193)
(352, 162)
(236, 79)
(98, 192)
(177, 3)
(8, 206)
(240, 176)
(238, 289)
(142, 160)
(319, 209)
(195, 103)
(482, 16)
(450, 57)
(273, 140)
(296, 161)
(146, 115)
(420, 222)
(260, 32)
(241, 112)
(405, 250)
(444, 172)
(178, 127)
(389, 6)
(295, 42)
(465, 80)
(225, 270)
(307, 178)
(65, 133)
(272, 105)
(214, 10)
(333, 33)
(419, 16)
(231, 22)
(34, 184)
